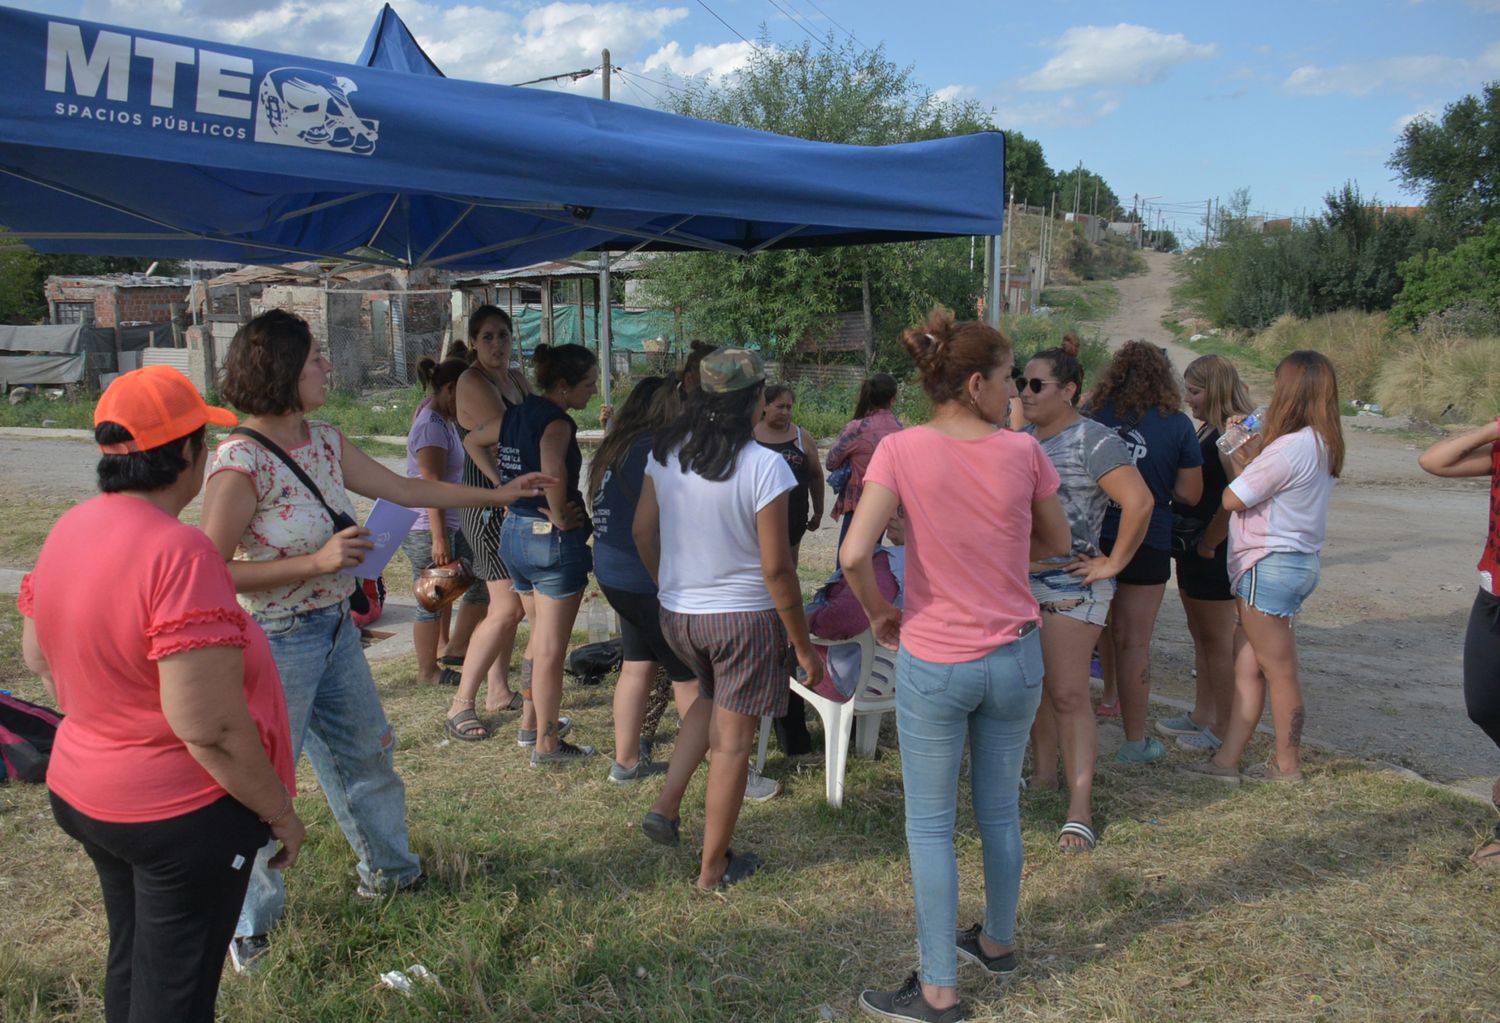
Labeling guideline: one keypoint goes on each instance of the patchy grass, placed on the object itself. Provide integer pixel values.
(1086, 303)
(547, 903)
(75, 413)
(23, 527)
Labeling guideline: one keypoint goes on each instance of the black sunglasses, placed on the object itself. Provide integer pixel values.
(1035, 383)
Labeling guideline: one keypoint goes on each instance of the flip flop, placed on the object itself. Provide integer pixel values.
(466, 727)
(662, 831)
(1487, 856)
(1108, 710)
(1077, 829)
(453, 671)
(740, 866)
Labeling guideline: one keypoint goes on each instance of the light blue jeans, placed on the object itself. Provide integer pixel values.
(336, 717)
(991, 702)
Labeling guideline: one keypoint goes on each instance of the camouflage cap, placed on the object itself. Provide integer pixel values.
(730, 369)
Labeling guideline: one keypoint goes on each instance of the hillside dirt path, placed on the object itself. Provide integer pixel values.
(1380, 641)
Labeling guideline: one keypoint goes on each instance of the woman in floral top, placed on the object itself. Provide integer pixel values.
(873, 419)
(288, 559)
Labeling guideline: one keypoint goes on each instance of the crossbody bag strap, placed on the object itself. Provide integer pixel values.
(297, 470)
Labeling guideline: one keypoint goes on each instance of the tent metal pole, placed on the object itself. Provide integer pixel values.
(444, 236)
(501, 245)
(318, 207)
(606, 326)
(773, 240)
(381, 226)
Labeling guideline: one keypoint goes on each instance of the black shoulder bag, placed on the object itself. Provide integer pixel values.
(358, 601)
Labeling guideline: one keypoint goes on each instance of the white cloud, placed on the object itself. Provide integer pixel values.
(1426, 113)
(1363, 78)
(953, 93)
(715, 61)
(473, 41)
(1066, 111)
(1098, 55)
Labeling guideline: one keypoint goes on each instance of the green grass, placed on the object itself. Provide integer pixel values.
(546, 902)
(1087, 303)
(1201, 903)
(40, 411)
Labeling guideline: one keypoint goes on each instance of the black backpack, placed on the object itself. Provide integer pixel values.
(26, 734)
(592, 661)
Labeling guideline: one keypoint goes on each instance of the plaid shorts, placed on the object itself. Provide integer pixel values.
(740, 658)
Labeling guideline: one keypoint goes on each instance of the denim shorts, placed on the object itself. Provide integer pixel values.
(1061, 593)
(418, 550)
(1278, 583)
(555, 563)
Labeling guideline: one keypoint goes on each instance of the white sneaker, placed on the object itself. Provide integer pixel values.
(247, 952)
(759, 788)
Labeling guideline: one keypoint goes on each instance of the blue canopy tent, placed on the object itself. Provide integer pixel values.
(122, 142)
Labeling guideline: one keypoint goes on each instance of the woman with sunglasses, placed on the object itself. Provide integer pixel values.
(1139, 399)
(1074, 590)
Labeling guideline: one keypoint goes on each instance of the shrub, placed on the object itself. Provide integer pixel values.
(1469, 275)
(1436, 375)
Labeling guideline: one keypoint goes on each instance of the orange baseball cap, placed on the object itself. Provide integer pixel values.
(157, 404)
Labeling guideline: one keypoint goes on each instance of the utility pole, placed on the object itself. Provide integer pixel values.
(1094, 208)
(1010, 235)
(605, 328)
(1077, 188)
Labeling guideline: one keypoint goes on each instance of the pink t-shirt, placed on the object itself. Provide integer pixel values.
(968, 536)
(1286, 490)
(119, 585)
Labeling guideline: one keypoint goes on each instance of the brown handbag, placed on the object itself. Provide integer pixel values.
(438, 586)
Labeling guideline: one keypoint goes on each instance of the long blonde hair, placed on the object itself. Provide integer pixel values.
(1307, 394)
(1224, 392)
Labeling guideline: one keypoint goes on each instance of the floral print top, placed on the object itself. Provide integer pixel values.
(289, 520)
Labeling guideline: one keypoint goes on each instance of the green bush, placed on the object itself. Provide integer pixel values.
(1358, 344)
(1435, 375)
(1468, 275)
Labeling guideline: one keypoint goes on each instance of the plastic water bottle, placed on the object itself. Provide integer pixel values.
(1235, 434)
(598, 620)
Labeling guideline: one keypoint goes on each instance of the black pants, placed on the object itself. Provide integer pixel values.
(172, 892)
(1482, 665)
(791, 728)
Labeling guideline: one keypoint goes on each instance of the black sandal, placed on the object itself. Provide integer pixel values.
(739, 867)
(453, 671)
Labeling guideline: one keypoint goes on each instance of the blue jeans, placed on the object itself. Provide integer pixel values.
(1278, 583)
(555, 563)
(992, 702)
(336, 716)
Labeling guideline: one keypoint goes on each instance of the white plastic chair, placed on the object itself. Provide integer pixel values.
(874, 697)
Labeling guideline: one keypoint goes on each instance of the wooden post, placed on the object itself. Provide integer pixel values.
(546, 311)
(869, 316)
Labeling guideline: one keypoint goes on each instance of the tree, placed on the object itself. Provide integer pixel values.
(1455, 162)
(1027, 176)
(1077, 189)
(24, 273)
(831, 94)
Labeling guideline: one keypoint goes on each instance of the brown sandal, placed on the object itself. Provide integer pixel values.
(1487, 856)
(466, 727)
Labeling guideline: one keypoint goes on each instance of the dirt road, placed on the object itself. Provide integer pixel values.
(1380, 640)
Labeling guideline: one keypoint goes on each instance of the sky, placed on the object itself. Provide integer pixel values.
(1172, 102)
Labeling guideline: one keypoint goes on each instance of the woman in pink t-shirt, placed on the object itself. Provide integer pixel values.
(1278, 504)
(173, 765)
(980, 505)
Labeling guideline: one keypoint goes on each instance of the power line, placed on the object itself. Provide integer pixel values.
(648, 78)
(574, 75)
(640, 89)
(805, 30)
(727, 25)
(835, 24)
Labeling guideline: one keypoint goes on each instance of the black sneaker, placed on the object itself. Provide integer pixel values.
(368, 891)
(566, 753)
(1002, 965)
(907, 1003)
(247, 952)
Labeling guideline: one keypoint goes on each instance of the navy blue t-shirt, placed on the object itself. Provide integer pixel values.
(617, 563)
(520, 450)
(1161, 444)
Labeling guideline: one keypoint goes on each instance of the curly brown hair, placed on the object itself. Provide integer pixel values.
(265, 362)
(1139, 377)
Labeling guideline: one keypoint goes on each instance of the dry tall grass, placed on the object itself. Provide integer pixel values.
(1357, 343)
(1460, 376)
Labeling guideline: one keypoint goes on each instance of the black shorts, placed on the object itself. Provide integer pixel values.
(1151, 566)
(1204, 578)
(640, 632)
